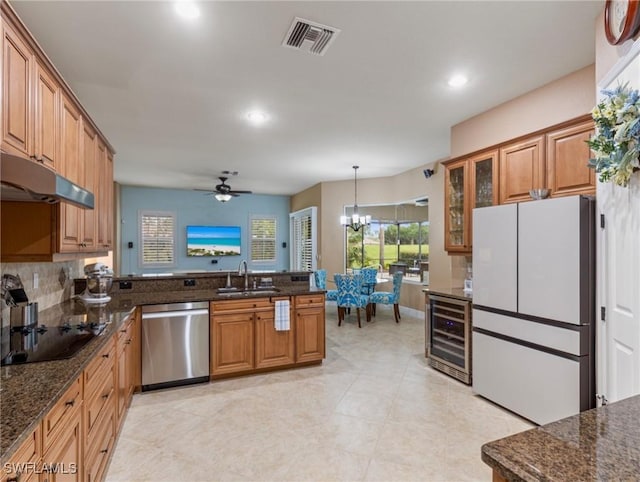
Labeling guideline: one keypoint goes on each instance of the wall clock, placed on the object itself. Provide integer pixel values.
(621, 20)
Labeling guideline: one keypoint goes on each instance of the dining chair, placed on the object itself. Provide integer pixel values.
(350, 296)
(369, 276)
(321, 282)
(389, 297)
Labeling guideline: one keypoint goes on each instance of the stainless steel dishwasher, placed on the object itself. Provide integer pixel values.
(175, 344)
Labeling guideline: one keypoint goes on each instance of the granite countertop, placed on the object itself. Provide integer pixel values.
(599, 444)
(30, 390)
(450, 292)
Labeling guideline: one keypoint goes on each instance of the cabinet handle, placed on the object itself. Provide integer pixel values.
(70, 403)
(106, 355)
(104, 451)
(128, 342)
(105, 396)
(124, 330)
(13, 479)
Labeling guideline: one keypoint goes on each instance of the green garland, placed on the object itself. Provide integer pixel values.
(616, 143)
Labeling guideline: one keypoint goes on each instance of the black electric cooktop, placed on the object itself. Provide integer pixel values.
(37, 343)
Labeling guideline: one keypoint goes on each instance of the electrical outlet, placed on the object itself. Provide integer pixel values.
(36, 281)
(190, 282)
(125, 285)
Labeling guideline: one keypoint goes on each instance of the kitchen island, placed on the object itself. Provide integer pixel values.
(31, 391)
(599, 444)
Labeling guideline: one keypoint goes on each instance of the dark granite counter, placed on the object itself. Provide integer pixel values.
(450, 292)
(599, 444)
(30, 390)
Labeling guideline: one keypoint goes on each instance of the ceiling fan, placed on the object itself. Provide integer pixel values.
(223, 191)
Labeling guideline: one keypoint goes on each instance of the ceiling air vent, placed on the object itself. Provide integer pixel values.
(310, 36)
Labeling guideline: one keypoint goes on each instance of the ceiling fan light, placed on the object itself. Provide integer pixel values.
(223, 198)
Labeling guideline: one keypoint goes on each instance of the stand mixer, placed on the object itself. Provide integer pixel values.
(99, 280)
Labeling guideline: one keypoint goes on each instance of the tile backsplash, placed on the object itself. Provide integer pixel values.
(55, 282)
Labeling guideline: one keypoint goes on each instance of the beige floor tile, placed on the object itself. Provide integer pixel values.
(374, 410)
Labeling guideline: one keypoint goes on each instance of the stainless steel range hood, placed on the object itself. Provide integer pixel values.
(26, 180)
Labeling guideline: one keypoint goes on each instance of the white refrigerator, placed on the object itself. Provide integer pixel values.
(534, 306)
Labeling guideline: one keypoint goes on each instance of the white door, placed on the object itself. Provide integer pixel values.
(495, 257)
(618, 336)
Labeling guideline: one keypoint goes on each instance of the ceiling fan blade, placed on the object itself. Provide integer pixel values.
(240, 192)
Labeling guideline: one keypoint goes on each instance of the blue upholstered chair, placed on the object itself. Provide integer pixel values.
(321, 282)
(369, 276)
(350, 295)
(389, 298)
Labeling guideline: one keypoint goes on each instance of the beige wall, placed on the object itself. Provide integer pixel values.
(561, 100)
(607, 55)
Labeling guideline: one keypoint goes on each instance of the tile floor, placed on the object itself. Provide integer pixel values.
(373, 411)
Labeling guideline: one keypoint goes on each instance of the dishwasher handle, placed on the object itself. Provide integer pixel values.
(174, 314)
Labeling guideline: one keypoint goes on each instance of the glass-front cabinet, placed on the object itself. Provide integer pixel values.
(469, 183)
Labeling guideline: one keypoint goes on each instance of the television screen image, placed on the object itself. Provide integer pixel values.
(213, 240)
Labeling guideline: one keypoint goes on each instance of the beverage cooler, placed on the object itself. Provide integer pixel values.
(448, 330)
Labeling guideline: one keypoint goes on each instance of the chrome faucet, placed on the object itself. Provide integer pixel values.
(246, 273)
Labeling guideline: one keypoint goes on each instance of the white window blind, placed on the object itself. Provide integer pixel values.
(157, 238)
(303, 239)
(263, 239)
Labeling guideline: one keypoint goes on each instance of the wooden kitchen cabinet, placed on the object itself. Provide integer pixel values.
(273, 348)
(470, 182)
(310, 328)
(567, 156)
(64, 457)
(58, 417)
(19, 468)
(126, 369)
(232, 342)
(17, 117)
(43, 120)
(522, 168)
(46, 129)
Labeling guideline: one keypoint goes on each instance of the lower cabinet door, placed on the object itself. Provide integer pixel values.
(273, 348)
(98, 453)
(63, 461)
(310, 336)
(232, 341)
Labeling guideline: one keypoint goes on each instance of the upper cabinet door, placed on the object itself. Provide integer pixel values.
(46, 131)
(484, 179)
(522, 168)
(16, 92)
(456, 211)
(567, 156)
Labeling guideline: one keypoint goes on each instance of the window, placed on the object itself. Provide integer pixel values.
(263, 239)
(157, 238)
(303, 240)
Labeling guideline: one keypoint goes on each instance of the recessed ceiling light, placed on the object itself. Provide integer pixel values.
(188, 10)
(257, 117)
(457, 80)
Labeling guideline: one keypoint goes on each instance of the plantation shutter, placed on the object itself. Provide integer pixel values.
(157, 239)
(303, 251)
(263, 239)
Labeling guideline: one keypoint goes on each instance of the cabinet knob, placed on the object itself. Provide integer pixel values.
(70, 403)
(105, 396)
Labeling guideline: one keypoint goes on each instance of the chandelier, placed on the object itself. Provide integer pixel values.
(355, 221)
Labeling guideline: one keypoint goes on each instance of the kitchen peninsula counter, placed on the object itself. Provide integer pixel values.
(599, 444)
(30, 390)
(457, 293)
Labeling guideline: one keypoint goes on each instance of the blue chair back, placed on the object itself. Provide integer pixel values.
(321, 278)
(369, 276)
(397, 283)
(349, 290)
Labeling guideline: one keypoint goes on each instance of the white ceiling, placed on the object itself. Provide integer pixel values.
(172, 95)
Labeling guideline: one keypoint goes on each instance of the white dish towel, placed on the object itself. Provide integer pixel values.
(282, 315)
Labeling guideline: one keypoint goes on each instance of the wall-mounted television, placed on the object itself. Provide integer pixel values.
(213, 240)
